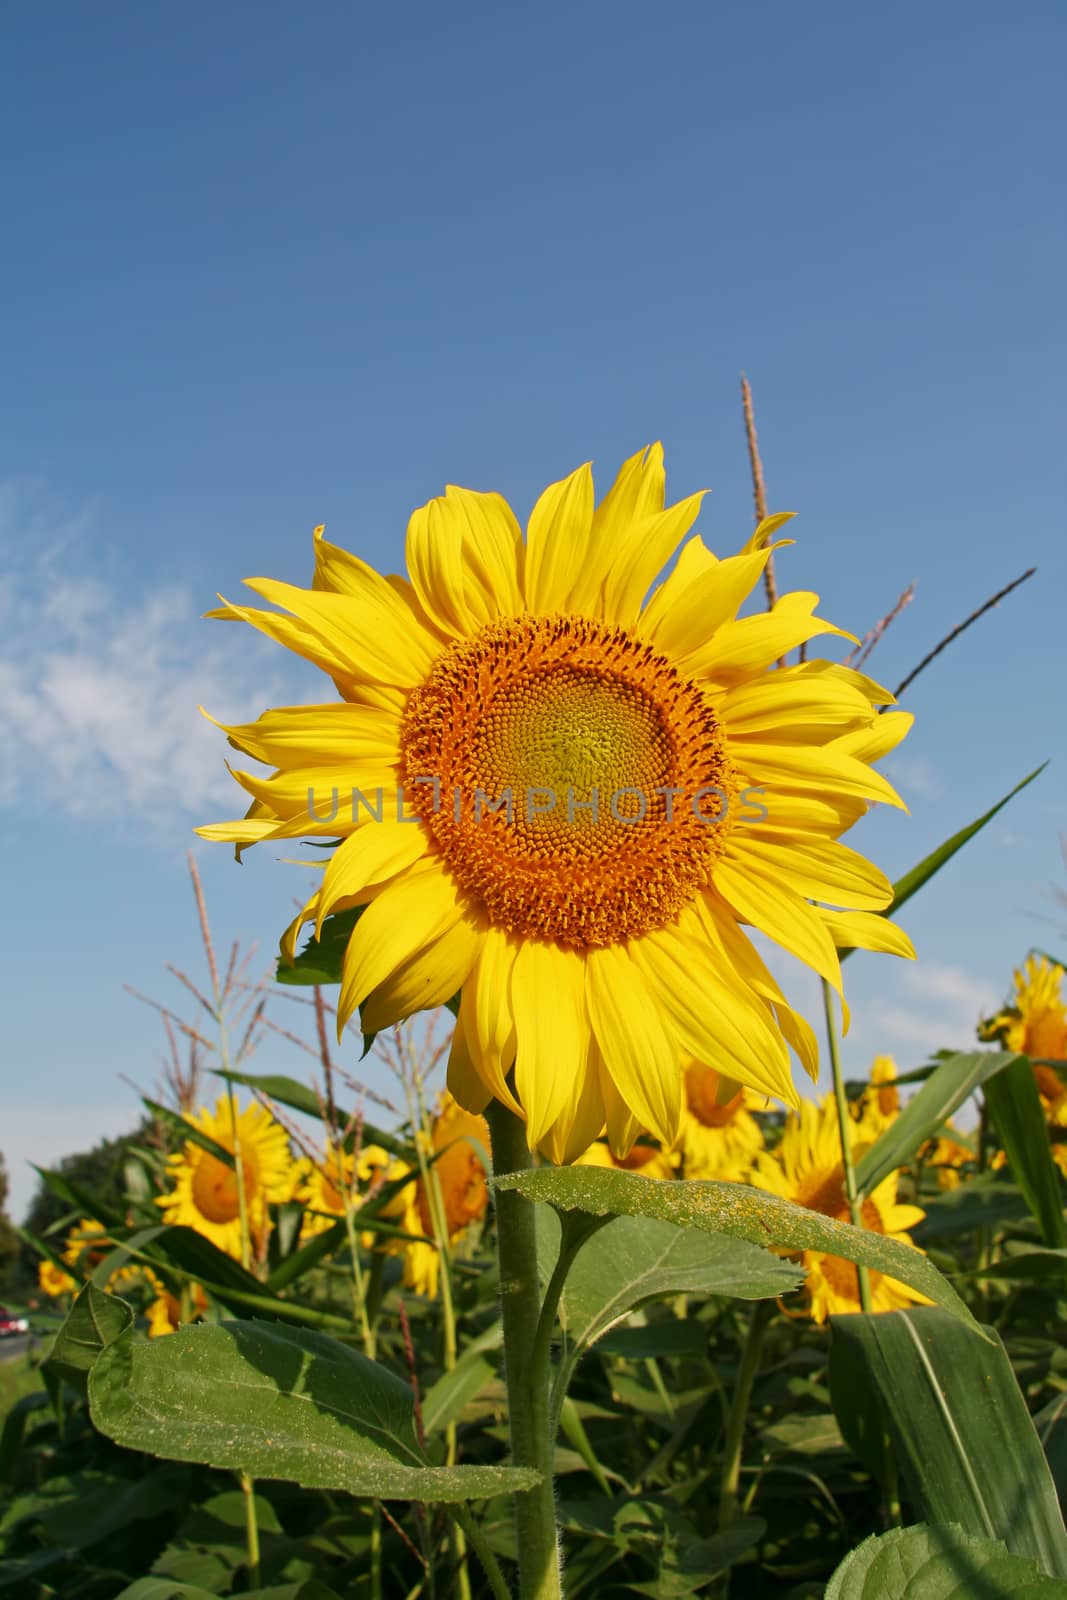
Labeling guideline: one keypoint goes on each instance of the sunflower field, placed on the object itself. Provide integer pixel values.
(602, 1298)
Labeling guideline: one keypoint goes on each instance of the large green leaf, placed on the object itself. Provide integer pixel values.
(938, 1562)
(278, 1403)
(737, 1210)
(947, 1087)
(94, 1321)
(913, 881)
(296, 1095)
(959, 1425)
(635, 1260)
(1015, 1106)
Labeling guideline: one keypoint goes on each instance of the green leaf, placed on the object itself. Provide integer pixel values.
(298, 1097)
(1051, 1425)
(960, 1428)
(938, 1562)
(1027, 1265)
(321, 959)
(278, 1403)
(1015, 1106)
(947, 1087)
(87, 1205)
(634, 1260)
(189, 1131)
(95, 1321)
(445, 1400)
(152, 1588)
(988, 1201)
(913, 881)
(14, 1430)
(738, 1210)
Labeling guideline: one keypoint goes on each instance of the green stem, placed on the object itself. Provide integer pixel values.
(844, 1128)
(855, 1208)
(248, 1489)
(482, 1549)
(735, 1427)
(527, 1379)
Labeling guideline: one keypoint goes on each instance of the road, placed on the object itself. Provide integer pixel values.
(10, 1348)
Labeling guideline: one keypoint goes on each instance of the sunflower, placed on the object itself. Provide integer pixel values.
(165, 1312)
(879, 1104)
(205, 1194)
(949, 1155)
(1035, 1024)
(720, 1138)
(53, 1280)
(339, 1182)
(806, 1167)
(647, 1159)
(564, 800)
(460, 1141)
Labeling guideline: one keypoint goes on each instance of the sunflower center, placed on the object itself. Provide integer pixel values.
(215, 1187)
(572, 779)
(701, 1096)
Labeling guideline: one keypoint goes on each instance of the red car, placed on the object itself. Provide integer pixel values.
(10, 1325)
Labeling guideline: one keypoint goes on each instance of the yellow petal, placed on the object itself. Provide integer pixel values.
(822, 768)
(818, 869)
(639, 1052)
(366, 860)
(464, 1082)
(783, 915)
(636, 495)
(580, 1121)
(334, 797)
(404, 918)
(552, 1031)
(429, 979)
(683, 616)
(557, 541)
(464, 553)
(863, 930)
(641, 556)
(375, 637)
(765, 530)
(716, 1020)
(316, 735)
(623, 1127)
(879, 737)
(488, 1016)
(751, 643)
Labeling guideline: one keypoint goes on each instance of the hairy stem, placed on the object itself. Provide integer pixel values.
(526, 1363)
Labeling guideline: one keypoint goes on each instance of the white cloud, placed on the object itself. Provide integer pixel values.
(99, 691)
(915, 778)
(940, 1008)
(46, 1132)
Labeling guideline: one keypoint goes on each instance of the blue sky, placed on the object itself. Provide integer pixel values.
(270, 265)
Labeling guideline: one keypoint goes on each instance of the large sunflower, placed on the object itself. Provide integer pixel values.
(205, 1194)
(806, 1167)
(578, 844)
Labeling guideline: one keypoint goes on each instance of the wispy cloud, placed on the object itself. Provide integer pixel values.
(99, 688)
(937, 1007)
(915, 778)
